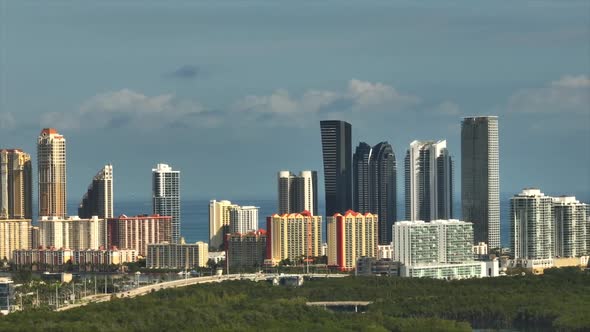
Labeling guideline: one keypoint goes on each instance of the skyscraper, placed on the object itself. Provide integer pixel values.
(98, 200)
(570, 227)
(243, 219)
(16, 185)
(337, 155)
(219, 217)
(375, 191)
(51, 161)
(166, 196)
(531, 225)
(480, 179)
(429, 181)
(297, 193)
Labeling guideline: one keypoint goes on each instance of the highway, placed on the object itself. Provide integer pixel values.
(186, 282)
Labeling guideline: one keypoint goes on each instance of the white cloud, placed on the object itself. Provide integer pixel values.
(570, 94)
(7, 120)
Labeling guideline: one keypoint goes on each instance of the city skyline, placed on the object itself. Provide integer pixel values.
(377, 76)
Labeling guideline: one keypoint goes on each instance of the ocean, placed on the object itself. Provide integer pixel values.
(195, 215)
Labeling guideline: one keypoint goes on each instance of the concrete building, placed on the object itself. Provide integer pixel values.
(72, 232)
(438, 241)
(137, 232)
(293, 236)
(428, 181)
(88, 260)
(35, 239)
(6, 295)
(166, 196)
(243, 219)
(245, 250)
(385, 251)
(337, 156)
(370, 266)
(15, 234)
(570, 227)
(177, 255)
(219, 218)
(450, 271)
(375, 185)
(51, 170)
(480, 249)
(480, 178)
(532, 227)
(98, 200)
(16, 185)
(351, 236)
(297, 193)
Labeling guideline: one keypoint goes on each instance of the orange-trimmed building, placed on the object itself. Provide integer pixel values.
(351, 236)
(293, 236)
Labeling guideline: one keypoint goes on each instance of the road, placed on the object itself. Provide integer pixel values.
(183, 283)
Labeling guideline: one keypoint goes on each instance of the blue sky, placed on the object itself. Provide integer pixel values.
(231, 92)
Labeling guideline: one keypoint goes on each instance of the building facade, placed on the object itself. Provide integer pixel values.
(137, 232)
(243, 219)
(428, 181)
(337, 157)
(6, 295)
(166, 196)
(98, 200)
(245, 250)
(439, 241)
(480, 178)
(72, 233)
(375, 185)
(177, 255)
(15, 234)
(219, 217)
(293, 237)
(531, 224)
(90, 259)
(297, 193)
(351, 236)
(16, 185)
(51, 171)
(570, 227)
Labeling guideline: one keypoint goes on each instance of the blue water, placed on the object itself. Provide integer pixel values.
(195, 215)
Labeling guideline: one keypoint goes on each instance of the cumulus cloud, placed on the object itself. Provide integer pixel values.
(360, 96)
(569, 94)
(128, 108)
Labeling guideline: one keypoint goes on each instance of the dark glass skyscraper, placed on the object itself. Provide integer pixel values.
(374, 174)
(337, 154)
(480, 178)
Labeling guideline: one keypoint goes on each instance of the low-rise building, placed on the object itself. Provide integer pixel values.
(246, 250)
(452, 271)
(368, 266)
(6, 295)
(15, 234)
(177, 255)
(87, 260)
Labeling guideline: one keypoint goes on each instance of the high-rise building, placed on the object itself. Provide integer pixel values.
(337, 155)
(531, 224)
(72, 233)
(570, 227)
(439, 241)
(15, 234)
(16, 185)
(177, 255)
(243, 219)
(293, 236)
(351, 236)
(375, 185)
(219, 217)
(166, 196)
(245, 250)
(480, 178)
(98, 200)
(51, 169)
(429, 181)
(298, 193)
(137, 232)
